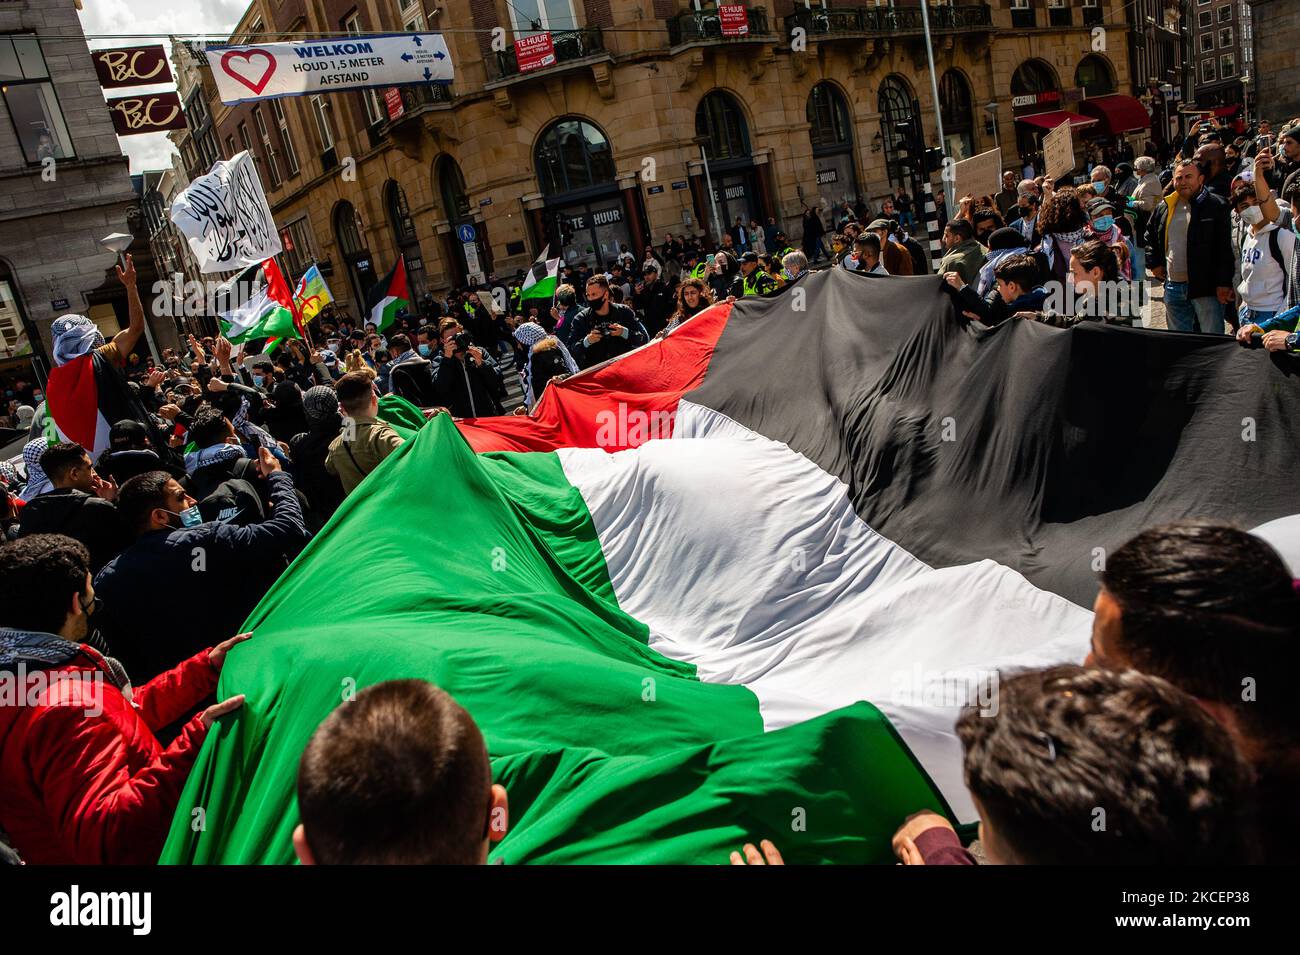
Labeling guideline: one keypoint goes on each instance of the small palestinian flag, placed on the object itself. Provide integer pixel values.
(386, 298)
(542, 278)
(269, 313)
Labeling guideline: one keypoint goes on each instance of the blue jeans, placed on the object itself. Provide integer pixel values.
(1251, 316)
(1204, 314)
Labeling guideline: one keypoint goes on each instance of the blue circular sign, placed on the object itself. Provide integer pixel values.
(465, 233)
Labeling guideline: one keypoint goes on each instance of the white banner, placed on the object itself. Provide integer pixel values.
(269, 70)
(225, 217)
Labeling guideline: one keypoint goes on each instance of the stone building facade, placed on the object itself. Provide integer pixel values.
(603, 148)
(64, 184)
(1276, 54)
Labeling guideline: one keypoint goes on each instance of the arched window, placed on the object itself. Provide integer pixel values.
(1095, 76)
(399, 214)
(958, 117)
(572, 154)
(831, 132)
(896, 106)
(1033, 76)
(828, 118)
(345, 227)
(719, 118)
(451, 186)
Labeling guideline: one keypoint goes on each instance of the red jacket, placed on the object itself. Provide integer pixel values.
(82, 786)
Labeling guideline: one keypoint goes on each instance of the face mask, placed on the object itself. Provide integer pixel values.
(1098, 187)
(190, 517)
(424, 350)
(257, 380)
(1252, 215)
(1104, 224)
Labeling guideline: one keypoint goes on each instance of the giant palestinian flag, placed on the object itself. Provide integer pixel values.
(738, 584)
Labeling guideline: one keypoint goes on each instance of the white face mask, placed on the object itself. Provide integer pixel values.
(1251, 215)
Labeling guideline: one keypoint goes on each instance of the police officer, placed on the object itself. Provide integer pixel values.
(753, 280)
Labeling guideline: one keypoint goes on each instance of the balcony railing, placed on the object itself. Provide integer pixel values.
(569, 45)
(878, 20)
(428, 94)
(697, 25)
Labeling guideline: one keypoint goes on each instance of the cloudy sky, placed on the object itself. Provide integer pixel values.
(111, 23)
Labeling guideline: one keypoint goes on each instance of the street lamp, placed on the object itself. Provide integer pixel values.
(118, 243)
(1245, 98)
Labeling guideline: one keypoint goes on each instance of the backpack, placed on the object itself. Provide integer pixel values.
(1276, 249)
(543, 366)
(231, 500)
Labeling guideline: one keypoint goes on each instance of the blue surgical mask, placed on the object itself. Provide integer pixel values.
(1104, 223)
(424, 350)
(190, 517)
(1099, 187)
(257, 380)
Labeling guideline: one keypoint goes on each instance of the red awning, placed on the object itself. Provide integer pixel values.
(1220, 111)
(1118, 113)
(1054, 118)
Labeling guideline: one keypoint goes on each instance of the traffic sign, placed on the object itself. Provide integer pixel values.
(465, 232)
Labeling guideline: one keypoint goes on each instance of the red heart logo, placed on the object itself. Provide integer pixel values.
(256, 85)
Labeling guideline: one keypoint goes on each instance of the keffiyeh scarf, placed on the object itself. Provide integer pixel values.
(37, 482)
(74, 336)
(529, 334)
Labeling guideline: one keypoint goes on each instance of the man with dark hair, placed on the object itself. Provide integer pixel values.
(185, 582)
(1017, 288)
(399, 775)
(221, 476)
(603, 330)
(364, 440)
(1172, 604)
(465, 378)
(80, 505)
(1083, 766)
(410, 375)
(86, 780)
(964, 255)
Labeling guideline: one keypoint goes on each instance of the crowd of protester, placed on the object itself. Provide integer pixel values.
(237, 460)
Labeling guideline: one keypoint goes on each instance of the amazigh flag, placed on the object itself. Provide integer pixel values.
(312, 294)
(386, 298)
(542, 279)
(268, 313)
(694, 602)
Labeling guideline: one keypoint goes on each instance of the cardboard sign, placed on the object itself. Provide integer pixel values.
(978, 176)
(1058, 152)
(269, 70)
(534, 52)
(131, 66)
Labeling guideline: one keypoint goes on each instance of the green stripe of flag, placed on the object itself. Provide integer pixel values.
(610, 751)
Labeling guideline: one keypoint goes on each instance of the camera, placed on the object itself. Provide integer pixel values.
(603, 328)
(463, 340)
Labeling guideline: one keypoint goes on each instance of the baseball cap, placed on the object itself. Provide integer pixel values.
(749, 257)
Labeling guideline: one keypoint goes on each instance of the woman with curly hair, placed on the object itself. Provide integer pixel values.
(693, 297)
(1063, 225)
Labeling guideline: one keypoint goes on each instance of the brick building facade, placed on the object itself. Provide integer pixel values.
(1276, 54)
